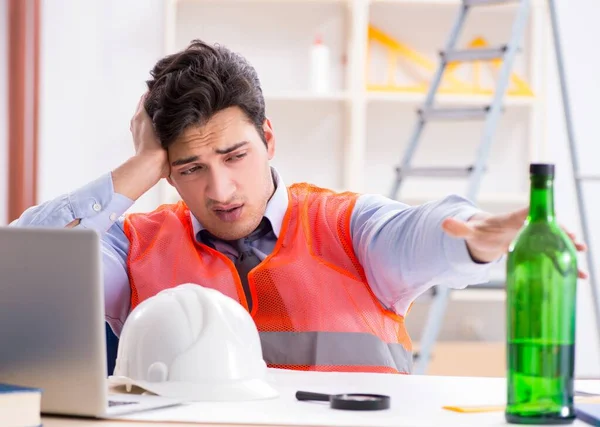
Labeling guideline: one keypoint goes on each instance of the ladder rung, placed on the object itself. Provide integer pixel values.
(475, 54)
(588, 177)
(487, 2)
(454, 113)
(436, 172)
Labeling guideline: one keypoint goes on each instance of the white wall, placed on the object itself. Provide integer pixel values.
(579, 29)
(3, 109)
(96, 56)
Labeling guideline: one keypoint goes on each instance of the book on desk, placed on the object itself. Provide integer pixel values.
(20, 406)
(588, 413)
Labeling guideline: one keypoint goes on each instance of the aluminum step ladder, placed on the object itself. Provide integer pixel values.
(490, 114)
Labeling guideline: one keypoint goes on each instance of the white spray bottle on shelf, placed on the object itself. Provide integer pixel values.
(320, 67)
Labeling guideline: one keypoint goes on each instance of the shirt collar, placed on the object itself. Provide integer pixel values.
(276, 207)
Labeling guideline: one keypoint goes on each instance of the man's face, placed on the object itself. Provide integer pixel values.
(221, 170)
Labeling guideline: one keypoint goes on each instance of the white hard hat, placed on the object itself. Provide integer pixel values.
(192, 343)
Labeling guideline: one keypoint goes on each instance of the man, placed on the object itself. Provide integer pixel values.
(327, 277)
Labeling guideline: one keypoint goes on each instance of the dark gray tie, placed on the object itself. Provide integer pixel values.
(247, 259)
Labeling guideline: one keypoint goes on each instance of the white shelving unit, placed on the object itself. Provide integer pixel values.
(351, 138)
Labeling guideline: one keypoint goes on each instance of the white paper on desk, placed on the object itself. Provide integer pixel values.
(415, 401)
(588, 387)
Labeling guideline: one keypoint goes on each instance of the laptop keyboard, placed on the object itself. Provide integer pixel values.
(112, 403)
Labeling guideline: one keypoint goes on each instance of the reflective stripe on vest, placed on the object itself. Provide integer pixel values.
(333, 349)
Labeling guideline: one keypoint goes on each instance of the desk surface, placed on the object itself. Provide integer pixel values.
(61, 422)
(65, 422)
(48, 422)
(416, 401)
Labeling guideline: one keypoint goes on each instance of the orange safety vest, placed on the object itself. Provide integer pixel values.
(312, 304)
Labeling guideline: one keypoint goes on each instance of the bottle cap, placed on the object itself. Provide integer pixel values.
(541, 169)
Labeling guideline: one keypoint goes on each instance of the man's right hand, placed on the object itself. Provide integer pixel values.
(149, 164)
(145, 141)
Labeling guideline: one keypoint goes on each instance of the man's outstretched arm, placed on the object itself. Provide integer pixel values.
(405, 250)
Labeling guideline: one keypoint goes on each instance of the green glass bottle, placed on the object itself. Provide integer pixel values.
(541, 291)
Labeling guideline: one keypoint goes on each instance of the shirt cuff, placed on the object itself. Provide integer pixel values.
(97, 204)
(458, 256)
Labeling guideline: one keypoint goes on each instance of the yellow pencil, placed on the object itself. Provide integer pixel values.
(497, 408)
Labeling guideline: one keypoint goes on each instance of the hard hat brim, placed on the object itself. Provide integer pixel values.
(243, 390)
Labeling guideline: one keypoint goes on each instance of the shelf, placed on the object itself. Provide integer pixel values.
(478, 295)
(424, 2)
(406, 98)
(262, 1)
(348, 2)
(420, 2)
(469, 294)
(306, 96)
(399, 2)
(443, 3)
(418, 98)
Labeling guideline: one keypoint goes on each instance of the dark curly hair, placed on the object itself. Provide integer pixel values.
(187, 88)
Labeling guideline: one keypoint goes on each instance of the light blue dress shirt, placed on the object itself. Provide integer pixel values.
(402, 248)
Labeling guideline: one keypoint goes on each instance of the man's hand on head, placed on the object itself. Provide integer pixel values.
(149, 165)
(146, 141)
(489, 236)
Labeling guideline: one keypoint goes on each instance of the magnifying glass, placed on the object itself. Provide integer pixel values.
(350, 401)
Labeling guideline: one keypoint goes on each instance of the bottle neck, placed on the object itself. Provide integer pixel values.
(541, 203)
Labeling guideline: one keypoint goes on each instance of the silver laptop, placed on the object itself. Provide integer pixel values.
(52, 330)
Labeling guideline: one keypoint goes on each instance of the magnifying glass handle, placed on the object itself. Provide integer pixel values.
(308, 395)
